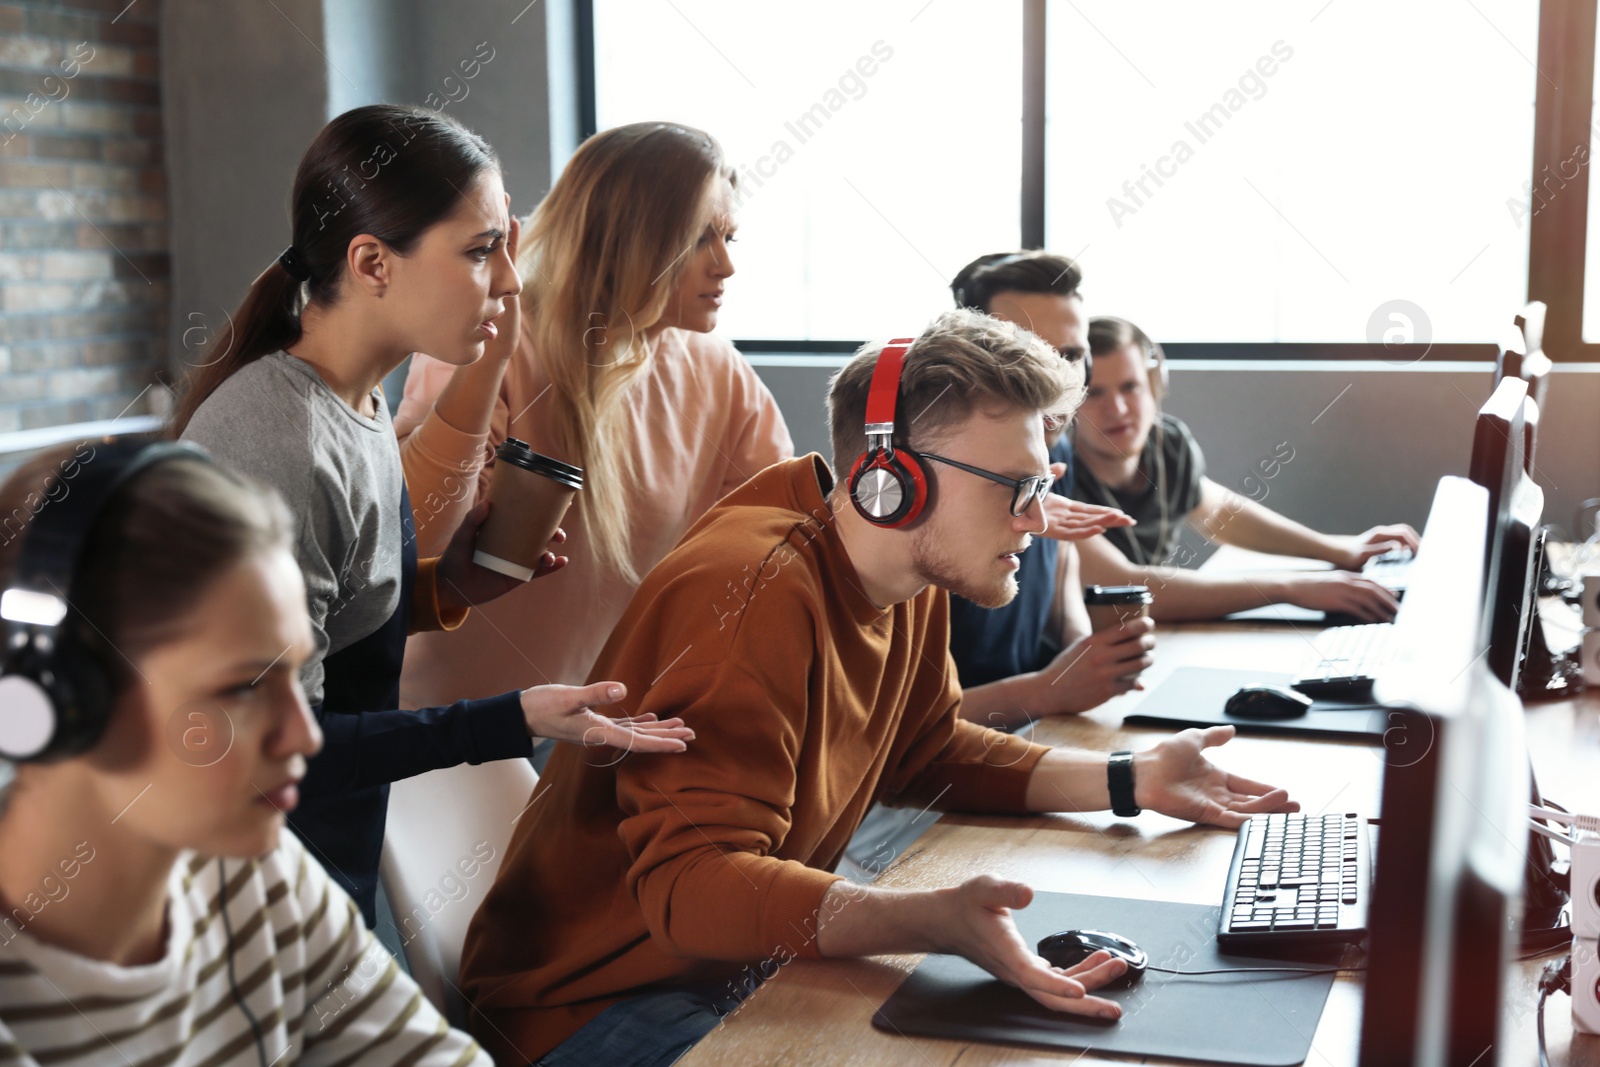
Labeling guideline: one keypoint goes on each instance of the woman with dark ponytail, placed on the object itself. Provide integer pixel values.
(402, 242)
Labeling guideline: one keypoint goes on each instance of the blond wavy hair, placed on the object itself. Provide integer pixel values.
(600, 262)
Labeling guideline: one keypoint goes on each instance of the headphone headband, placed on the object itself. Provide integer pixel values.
(56, 693)
(885, 393)
(53, 544)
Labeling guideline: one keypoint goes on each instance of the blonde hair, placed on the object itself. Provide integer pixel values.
(600, 263)
(962, 360)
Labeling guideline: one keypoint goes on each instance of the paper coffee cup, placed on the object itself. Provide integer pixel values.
(1111, 606)
(529, 495)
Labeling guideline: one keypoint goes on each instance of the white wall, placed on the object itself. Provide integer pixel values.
(247, 86)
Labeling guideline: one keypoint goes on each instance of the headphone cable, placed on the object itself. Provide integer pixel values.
(233, 981)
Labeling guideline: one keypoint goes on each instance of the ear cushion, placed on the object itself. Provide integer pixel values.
(55, 705)
(888, 490)
(27, 718)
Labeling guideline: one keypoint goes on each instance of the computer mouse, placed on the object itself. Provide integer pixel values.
(1267, 702)
(1071, 947)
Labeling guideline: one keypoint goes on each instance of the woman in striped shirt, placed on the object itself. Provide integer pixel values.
(152, 910)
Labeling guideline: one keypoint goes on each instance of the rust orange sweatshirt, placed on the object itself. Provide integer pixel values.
(808, 703)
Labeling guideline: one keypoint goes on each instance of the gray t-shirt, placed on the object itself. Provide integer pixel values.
(1171, 459)
(277, 421)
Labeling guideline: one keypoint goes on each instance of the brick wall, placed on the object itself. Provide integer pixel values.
(84, 273)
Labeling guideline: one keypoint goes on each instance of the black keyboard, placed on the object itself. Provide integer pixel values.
(1345, 660)
(1297, 878)
(1391, 569)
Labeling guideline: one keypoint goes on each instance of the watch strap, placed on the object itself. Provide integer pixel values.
(1119, 780)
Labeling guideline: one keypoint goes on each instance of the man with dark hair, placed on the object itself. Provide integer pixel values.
(800, 628)
(1037, 655)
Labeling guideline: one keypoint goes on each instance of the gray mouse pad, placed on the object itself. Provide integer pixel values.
(1265, 1019)
(1195, 696)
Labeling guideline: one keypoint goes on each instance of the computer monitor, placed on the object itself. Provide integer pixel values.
(1453, 821)
(1516, 509)
(1511, 607)
(1497, 440)
(1530, 323)
(1520, 357)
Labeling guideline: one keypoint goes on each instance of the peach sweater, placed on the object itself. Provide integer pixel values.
(703, 424)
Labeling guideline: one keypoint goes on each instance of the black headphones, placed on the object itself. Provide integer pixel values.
(57, 679)
(887, 487)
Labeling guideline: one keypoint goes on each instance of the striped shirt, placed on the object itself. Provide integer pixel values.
(320, 987)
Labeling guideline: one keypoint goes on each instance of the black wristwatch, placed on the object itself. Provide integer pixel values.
(1119, 779)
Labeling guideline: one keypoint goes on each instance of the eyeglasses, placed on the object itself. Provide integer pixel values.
(1024, 491)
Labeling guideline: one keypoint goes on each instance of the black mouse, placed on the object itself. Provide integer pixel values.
(1267, 702)
(1071, 947)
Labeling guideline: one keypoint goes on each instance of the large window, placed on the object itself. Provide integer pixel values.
(878, 145)
(1270, 171)
(1271, 177)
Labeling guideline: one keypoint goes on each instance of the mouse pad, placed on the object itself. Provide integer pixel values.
(1266, 1020)
(1195, 696)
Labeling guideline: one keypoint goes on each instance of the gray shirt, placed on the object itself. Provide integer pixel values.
(277, 421)
(1171, 461)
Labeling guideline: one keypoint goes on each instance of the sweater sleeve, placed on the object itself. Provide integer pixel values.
(374, 747)
(360, 1006)
(445, 467)
(425, 611)
(702, 827)
(757, 437)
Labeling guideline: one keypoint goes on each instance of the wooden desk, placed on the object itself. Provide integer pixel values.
(821, 1012)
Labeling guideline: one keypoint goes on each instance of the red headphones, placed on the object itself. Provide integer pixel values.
(887, 487)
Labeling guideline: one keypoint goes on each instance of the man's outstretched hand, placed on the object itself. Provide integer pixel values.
(1073, 520)
(1175, 778)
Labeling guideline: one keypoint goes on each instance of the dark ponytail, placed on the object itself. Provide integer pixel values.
(385, 170)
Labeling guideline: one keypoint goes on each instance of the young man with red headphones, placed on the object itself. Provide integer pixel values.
(801, 628)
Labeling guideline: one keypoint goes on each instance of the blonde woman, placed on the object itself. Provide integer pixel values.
(612, 367)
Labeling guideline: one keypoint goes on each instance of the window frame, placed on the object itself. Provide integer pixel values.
(1557, 234)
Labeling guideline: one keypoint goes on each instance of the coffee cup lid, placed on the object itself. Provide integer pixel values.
(1117, 594)
(518, 454)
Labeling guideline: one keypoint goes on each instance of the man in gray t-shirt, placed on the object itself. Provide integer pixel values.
(1132, 456)
(1167, 488)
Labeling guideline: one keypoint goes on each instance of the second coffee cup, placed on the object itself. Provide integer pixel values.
(529, 494)
(1110, 606)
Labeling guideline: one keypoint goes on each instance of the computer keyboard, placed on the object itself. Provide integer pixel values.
(1344, 660)
(1392, 569)
(1296, 878)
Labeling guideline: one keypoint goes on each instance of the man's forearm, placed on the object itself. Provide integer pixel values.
(1001, 704)
(858, 920)
(1261, 529)
(1179, 595)
(1226, 517)
(1070, 779)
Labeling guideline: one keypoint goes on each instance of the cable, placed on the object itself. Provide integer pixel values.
(233, 981)
(1555, 977)
(1260, 970)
